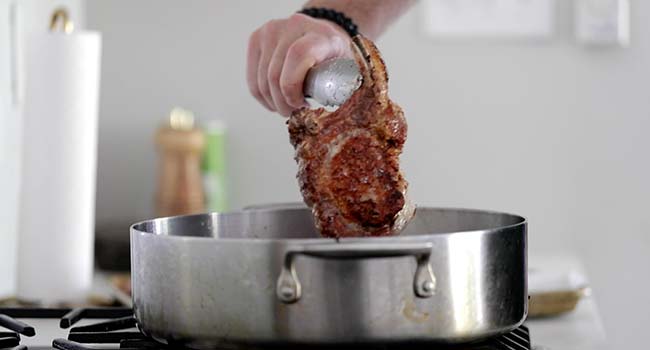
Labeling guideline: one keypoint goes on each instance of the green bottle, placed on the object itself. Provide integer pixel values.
(214, 166)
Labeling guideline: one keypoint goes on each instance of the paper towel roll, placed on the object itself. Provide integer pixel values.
(56, 220)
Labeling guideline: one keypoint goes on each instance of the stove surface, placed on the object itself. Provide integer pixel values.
(115, 328)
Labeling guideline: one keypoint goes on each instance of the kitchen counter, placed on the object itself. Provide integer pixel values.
(580, 329)
(577, 330)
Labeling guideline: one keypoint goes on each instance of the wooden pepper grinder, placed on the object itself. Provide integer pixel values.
(180, 185)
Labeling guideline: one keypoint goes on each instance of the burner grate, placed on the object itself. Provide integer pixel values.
(9, 340)
(519, 339)
(12, 339)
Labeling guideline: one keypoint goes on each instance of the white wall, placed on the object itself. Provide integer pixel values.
(553, 131)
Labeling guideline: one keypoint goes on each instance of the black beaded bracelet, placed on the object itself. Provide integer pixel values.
(337, 17)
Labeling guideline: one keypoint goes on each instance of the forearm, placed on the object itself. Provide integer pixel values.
(372, 16)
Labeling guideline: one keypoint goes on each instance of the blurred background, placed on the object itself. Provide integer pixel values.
(529, 118)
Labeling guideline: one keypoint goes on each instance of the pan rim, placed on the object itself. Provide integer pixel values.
(135, 229)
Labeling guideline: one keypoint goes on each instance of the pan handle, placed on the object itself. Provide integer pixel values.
(289, 290)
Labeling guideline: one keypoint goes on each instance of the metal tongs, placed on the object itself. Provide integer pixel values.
(332, 82)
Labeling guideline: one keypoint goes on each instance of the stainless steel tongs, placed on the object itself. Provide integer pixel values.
(332, 82)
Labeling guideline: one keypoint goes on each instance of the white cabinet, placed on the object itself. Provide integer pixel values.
(603, 22)
(488, 18)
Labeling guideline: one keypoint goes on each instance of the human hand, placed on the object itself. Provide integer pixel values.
(281, 52)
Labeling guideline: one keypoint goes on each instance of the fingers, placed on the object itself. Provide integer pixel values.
(273, 78)
(303, 54)
(269, 38)
(253, 59)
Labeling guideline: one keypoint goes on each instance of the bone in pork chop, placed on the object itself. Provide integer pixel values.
(348, 159)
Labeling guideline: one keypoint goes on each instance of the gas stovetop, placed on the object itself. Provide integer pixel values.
(115, 328)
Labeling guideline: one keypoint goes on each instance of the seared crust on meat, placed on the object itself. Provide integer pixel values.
(348, 159)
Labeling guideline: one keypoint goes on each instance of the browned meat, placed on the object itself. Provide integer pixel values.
(348, 159)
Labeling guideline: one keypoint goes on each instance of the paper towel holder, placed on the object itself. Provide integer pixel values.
(61, 15)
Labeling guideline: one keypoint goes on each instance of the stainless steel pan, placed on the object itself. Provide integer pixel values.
(263, 276)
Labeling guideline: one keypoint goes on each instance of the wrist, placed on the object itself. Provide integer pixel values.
(338, 18)
(371, 16)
